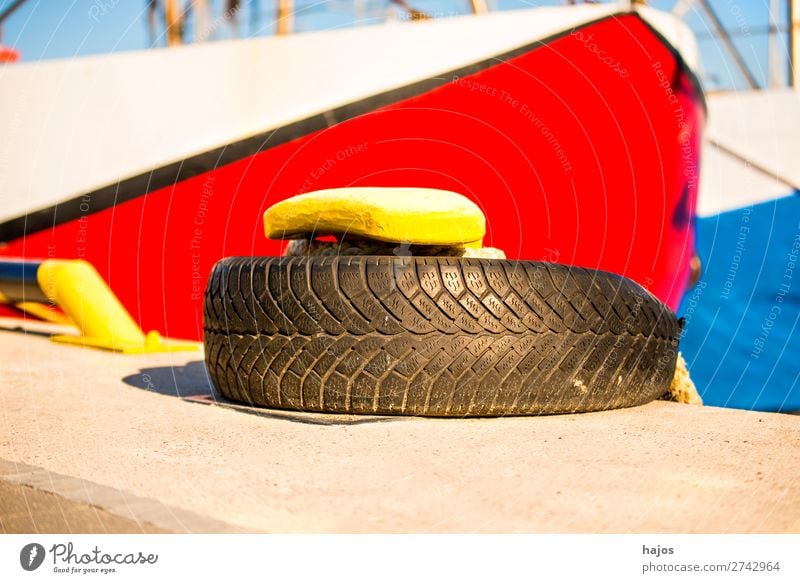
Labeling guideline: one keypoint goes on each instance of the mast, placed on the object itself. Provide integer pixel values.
(285, 16)
(173, 22)
(479, 6)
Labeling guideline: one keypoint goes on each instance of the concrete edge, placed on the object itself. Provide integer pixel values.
(119, 503)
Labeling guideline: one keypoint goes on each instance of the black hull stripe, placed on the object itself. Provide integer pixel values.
(170, 174)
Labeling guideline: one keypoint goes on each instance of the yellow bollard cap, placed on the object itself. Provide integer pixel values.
(417, 216)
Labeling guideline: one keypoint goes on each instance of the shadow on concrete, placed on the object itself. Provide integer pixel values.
(192, 383)
(190, 380)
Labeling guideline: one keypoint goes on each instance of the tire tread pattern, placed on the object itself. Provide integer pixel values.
(436, 336)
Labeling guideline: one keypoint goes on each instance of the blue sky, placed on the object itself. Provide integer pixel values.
(48, 29)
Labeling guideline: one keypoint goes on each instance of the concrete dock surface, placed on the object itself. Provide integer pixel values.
(93, 441)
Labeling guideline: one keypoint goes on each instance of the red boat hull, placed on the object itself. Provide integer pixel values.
(581, 150)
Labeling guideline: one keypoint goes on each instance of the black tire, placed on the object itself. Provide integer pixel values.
(434, 336)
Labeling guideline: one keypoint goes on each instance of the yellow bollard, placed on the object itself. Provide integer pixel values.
(103, 321)
(416, 216)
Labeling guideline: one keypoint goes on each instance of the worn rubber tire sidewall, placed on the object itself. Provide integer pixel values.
(434, 336)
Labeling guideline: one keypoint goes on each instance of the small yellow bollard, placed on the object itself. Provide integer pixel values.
(103, 321)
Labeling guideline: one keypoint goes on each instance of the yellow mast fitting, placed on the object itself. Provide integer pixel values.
(77, 288)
